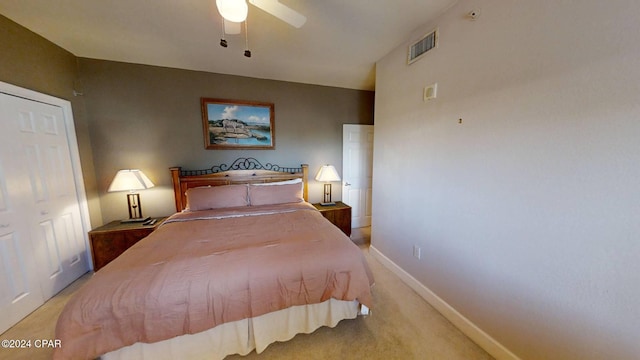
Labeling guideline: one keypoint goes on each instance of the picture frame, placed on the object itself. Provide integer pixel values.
(238, 124)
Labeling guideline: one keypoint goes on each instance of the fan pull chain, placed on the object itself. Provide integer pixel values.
(247, 52)
(223, 41)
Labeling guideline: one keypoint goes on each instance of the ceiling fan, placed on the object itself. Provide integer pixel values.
(234, 12)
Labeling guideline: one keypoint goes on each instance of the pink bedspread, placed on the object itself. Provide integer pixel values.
(205, 268)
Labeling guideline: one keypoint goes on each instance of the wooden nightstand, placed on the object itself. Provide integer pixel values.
(339, 214)
(111, 240)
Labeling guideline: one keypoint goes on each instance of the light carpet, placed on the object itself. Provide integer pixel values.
(402, 326)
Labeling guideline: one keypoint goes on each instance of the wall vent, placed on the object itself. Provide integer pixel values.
(420, 47)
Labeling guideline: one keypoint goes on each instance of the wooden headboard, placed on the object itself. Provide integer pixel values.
(241, 171)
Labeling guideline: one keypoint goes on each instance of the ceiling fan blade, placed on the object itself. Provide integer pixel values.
(231, 28)
(282, 12)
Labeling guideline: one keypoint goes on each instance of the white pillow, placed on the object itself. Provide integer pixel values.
(285, 182)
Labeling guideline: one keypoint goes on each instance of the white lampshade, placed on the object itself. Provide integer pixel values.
(327, 173)
(130, 180)
(233, 10)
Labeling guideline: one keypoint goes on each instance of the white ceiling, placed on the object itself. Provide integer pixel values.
(338, 46)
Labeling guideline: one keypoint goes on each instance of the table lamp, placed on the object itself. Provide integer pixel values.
(326, 174)
(131, 180)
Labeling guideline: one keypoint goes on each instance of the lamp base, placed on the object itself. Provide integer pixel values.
(327, 204)
(327, 195)
(135, 220)
(135, 209)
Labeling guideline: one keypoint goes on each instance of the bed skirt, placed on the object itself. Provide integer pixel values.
(243, 336)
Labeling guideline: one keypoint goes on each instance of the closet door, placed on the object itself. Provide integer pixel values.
(20, 291)
(41, 192)
(55, 223)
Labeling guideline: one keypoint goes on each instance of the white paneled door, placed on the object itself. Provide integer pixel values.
(20, 291)
(42, 244)
(357, 164)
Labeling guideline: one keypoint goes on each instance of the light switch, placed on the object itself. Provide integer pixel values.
(430, 92)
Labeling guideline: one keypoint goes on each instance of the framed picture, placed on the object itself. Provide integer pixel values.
(238, 124)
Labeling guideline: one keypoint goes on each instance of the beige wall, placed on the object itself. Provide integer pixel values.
(30, 61)
(527, 213)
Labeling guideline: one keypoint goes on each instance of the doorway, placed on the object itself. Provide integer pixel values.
(357, 164)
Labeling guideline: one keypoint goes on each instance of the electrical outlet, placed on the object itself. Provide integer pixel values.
(417, 253)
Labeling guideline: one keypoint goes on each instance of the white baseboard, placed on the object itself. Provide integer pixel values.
(476, 334)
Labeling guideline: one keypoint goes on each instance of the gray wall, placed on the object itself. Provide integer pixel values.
(527, 213)
(136, 116)
(149, 117)
(30, 61)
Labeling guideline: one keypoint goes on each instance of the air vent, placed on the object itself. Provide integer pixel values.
(420, 47)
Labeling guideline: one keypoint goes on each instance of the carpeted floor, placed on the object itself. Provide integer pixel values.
(402, 326)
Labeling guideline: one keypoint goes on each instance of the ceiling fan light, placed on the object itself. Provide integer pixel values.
(233, 10)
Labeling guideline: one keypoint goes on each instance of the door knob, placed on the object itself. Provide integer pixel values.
(347, 184)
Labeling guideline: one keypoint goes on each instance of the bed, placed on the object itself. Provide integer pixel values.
(244, 262)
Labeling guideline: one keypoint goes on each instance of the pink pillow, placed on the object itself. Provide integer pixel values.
(275, 194)
(216, 197)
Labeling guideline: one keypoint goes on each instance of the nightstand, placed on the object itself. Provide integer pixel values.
(339, 214)
(111, 240)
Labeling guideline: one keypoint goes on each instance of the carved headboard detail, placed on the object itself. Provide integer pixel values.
(241, 171)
